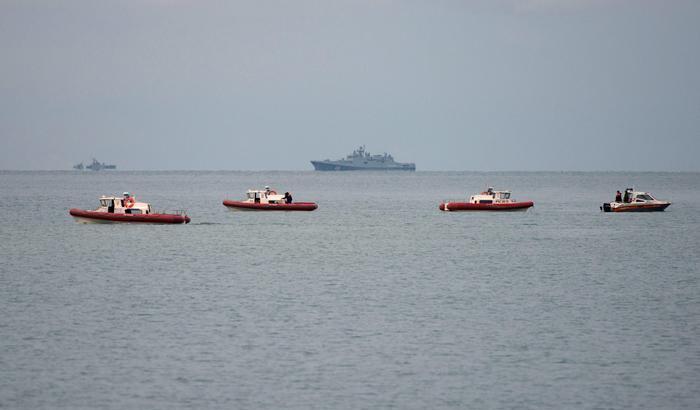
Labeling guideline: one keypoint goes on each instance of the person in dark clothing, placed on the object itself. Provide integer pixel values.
(626, 199)
(287, 198)
(618, 196)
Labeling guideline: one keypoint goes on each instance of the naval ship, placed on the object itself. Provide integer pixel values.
(95, 166)
(361, 160)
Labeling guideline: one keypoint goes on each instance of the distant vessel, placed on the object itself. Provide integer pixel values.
(361, 160)
(95, 166)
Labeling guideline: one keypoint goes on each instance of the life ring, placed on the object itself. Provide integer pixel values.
(272, 192)
(129, 202)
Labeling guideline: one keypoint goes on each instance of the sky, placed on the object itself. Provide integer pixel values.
(484, 85)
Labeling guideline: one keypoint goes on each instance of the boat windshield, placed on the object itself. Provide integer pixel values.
(103, 202)
(503, 195)
(645, 197)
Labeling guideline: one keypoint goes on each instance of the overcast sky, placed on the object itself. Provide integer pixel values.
(450, 85)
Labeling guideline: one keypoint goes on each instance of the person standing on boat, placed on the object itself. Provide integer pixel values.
(627, 197)
(128, 200)
(287, 198)
(618, 196)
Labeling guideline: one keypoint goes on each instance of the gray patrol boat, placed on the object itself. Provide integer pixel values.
(361, 160)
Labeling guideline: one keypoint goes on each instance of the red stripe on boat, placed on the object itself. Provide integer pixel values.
(467, 206)
(297, 206)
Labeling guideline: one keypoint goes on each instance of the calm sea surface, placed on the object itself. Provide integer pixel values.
(377, 299)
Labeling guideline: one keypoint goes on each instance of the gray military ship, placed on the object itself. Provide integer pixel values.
(361, 160)
(95, 166)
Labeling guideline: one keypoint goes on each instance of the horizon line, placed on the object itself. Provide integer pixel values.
(352, 172)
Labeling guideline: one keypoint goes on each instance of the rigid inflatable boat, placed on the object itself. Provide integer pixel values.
(114, 209)
(268, 200)
(488, 200)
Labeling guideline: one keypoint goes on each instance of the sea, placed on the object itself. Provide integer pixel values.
(375, 300)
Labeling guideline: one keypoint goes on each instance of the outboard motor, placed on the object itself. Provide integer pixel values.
(605, 207)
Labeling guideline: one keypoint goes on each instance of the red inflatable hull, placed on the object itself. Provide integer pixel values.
(105, 217)
(251, 206)
(466, 206)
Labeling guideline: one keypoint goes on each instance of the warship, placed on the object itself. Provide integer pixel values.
(95, 166)
(361, 160)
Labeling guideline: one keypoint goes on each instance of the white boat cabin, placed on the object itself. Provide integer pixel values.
(641, 197)
(120, 205)
(265, 196)
(491, 197)
(638, 197)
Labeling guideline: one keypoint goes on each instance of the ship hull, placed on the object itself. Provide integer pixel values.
(252, 206)
(659, 207)
(83, 216)
(466, 206)
(331, 166)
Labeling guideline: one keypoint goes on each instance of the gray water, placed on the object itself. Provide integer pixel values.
(375, 300)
